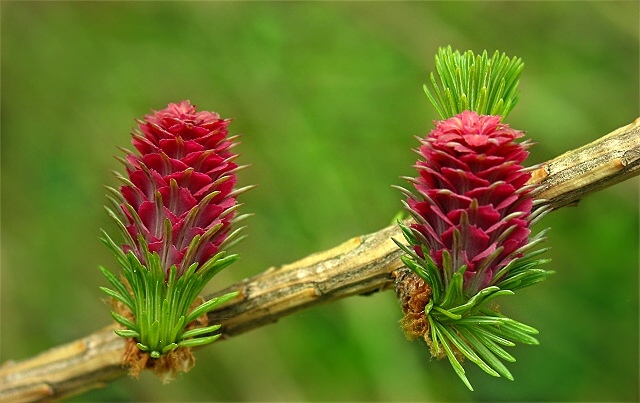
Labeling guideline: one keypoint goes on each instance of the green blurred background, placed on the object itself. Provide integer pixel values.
(328, 97)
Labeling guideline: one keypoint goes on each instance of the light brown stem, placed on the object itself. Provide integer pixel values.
(575, 174)
(362, 265)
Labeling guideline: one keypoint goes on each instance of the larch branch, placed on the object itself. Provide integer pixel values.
(362, 265)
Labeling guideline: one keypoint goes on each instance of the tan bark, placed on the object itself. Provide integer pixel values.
(362, 265)
(575, 174)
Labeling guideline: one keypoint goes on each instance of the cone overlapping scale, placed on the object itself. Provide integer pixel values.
(471, 198)
(184, 174)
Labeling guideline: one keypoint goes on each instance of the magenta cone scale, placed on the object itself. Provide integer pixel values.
(184, 174)
(472, 202)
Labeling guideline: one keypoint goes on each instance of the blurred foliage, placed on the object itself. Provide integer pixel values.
(329, 97)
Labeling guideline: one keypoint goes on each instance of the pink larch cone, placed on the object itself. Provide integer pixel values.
(472, 182)
(469, 241)
(184, 174)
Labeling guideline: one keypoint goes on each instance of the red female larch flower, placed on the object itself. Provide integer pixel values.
(469, 241)
(470, 182)
(185, 173)
(175, 211)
